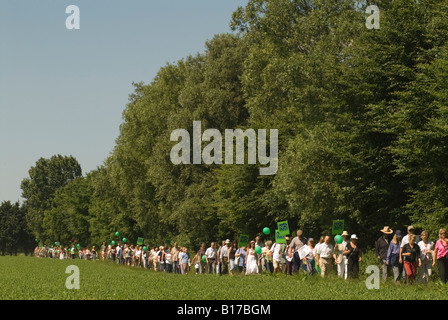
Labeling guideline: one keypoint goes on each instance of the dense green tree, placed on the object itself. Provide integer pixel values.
(39, 188)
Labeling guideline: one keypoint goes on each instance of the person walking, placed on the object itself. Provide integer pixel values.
(411, 254)
(251, 260)
(210, 255)
(202, 263)
(309, 259)
(426, 256)
(224, 257)
(341, 259)
(232, 253)
(241, 255)
(296, 243)
(381, 247)
(325, 255)
(175, 257)
(276, 257)
(441, 255)
(393, 257)
(354, 256)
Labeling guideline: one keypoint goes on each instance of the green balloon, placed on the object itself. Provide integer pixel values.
(113, 242)
(117, 233)
(124, 240)
(78, 246)
(258, 249)
(204, 258)
(338, 239)
(144, 248)
(266, 230)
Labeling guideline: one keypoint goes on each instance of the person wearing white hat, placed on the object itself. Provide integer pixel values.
(354, 256)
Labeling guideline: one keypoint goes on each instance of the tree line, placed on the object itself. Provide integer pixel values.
(362, 120)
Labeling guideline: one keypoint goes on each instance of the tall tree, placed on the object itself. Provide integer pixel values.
(47, 176)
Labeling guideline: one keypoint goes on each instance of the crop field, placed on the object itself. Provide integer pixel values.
(30, 278)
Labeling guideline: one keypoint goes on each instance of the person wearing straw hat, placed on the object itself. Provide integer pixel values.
(341, 259)
(381, 247)
(354, 256)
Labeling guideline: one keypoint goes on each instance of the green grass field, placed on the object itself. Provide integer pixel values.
(25, 278)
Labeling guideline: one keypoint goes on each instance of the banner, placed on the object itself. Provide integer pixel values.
(283, 228)
(279, 238)
(140, 241)
(244, 240)
(338, 226)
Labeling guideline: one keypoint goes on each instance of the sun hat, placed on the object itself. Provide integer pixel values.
(353, 236)
(411, 228)
(311, 239)
(387, 230)
(227, 241)
(345, 233)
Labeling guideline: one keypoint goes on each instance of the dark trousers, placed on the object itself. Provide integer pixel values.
(289, 265)
(297, 262)
(224, 266)
(442, 263)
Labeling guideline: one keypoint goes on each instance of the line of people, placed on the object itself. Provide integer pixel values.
(406, 256)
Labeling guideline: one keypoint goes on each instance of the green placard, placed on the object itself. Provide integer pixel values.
(283, 228)
(244, 240)
(338, 226)
(140, 241)
(279, 238)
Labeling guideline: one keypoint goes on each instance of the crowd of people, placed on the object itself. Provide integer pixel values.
(409, 256)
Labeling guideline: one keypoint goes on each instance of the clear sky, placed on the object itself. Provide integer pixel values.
(63, 91)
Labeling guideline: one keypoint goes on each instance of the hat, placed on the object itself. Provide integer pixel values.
(387, 230)
(398, 233)
(411, 228)
(227, 241)
(287, 238)
(311, 239)
(345, 233)
(353, 236)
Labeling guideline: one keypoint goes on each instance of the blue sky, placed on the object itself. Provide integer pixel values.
(63, 91)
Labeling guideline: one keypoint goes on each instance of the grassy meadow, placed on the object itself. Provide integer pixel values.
(30, 278)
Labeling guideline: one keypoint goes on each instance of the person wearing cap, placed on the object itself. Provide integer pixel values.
(296, 244)
(224, 257)
(393, 255)
(381, 247)
(324, 256)
(341, 259)
(354, 256)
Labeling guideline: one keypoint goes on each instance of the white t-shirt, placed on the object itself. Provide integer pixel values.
(426, 247)
(276, 255)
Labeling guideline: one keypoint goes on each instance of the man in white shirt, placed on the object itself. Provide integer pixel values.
(224, 257)
(324, 256)
(210, 255)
